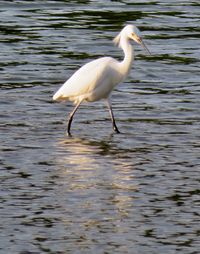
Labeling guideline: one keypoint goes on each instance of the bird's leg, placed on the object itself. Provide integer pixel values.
(71, 115)
(112, 117)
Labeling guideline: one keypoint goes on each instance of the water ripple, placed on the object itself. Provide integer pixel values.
(98, 192)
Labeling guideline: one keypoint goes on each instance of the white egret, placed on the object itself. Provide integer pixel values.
(96, 80)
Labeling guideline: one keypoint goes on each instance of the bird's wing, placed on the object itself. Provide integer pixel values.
(87, 78)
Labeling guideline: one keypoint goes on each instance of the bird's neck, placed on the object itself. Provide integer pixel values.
(125, 65)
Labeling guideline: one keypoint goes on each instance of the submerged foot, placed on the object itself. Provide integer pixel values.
(68, 133)
(116, 130)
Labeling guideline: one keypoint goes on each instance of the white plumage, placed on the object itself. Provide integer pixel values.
(91, 82)
(96, 79)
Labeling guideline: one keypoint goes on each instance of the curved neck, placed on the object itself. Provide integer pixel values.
(125, 65)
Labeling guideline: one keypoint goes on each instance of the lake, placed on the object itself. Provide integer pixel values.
(99, 192)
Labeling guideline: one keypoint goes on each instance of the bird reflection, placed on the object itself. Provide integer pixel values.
(98, 174)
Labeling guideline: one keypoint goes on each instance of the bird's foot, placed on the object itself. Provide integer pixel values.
(68, 133)
(116, 130)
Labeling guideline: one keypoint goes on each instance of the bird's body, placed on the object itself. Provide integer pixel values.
(92, 82)
(95, 80)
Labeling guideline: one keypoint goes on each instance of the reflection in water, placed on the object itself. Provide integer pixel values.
(83, 170)
(95, 194)
(78, 154)
(137, 192)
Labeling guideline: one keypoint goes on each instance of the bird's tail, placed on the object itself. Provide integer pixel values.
(57, 96)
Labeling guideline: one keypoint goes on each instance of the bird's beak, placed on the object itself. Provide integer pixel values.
(140, 41)
(145, 47)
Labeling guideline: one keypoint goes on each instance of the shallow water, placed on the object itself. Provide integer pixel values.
(99, 192)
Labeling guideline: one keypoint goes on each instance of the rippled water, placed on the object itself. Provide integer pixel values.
(99, 192)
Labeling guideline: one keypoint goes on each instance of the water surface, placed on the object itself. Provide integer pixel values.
(98, 192)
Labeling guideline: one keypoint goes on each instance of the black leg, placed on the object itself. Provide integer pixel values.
(71, 118)
(112, 117)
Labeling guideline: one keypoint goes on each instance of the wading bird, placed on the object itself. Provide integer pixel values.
(96, 80)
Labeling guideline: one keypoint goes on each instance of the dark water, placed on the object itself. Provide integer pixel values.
(98, 192)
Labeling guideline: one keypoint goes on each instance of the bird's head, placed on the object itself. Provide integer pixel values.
(132, 33)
